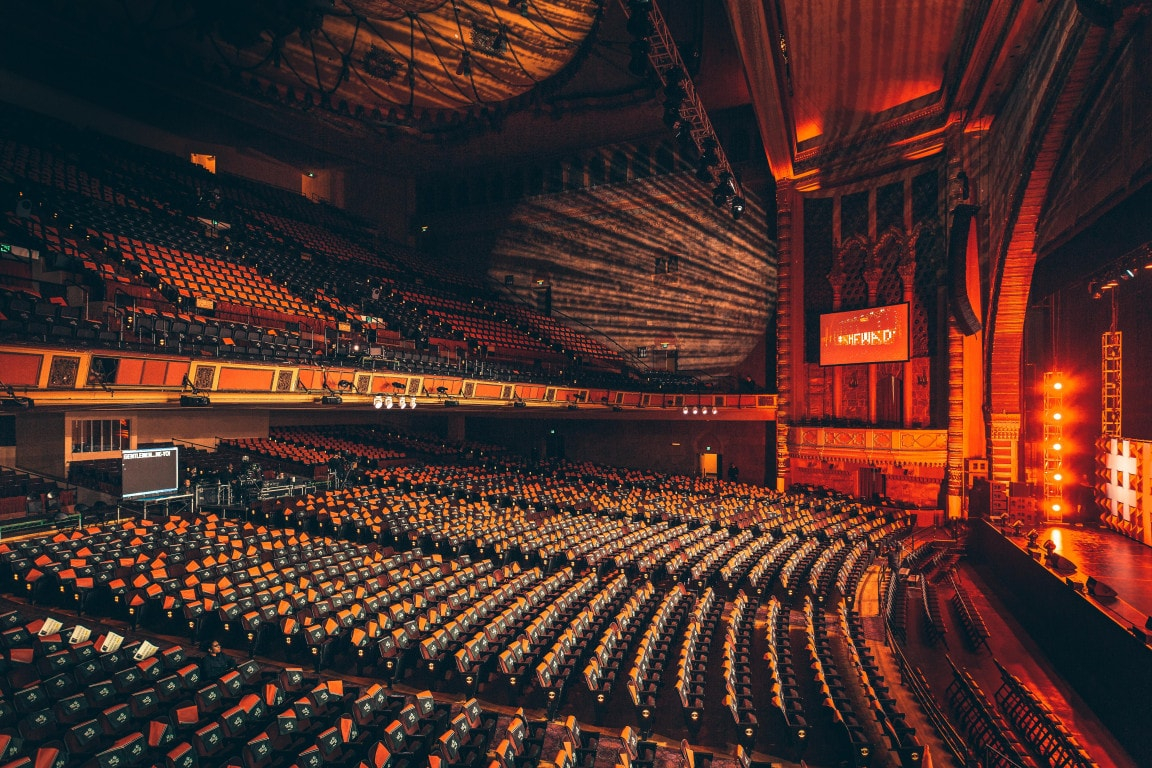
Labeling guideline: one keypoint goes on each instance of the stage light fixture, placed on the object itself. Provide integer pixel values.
(737, 208)
(388, 402)
(713, 410)
(725, 189)
(1057, 446)
(685, 410)
(1057, 385)
(695, 411)
(464, 68)
(403, 403)
(377, 402)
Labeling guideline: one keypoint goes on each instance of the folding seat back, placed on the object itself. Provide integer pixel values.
(143, 703)
(395, 738)
(116, 719)
(504, 754)
(190, 676)
(83, 737)
(249, 671)
(186, 717)
(377, 756)
(30, 699)
(209, 698)
(168, 688)
(292, 679)
(309, 757)
(328, 742)
(258, 752)
(233, 721)
(183, 755)
(51, 755)
(448, 746)
(133, 748)
(160, 734)
(72, 709)
(209, 740)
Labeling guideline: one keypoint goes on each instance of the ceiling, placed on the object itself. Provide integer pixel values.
(438, 82)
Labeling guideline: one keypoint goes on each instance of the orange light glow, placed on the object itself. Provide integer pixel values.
(808, 129)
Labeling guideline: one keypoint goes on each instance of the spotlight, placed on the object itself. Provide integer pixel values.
(685, 410)
(1058, 385)
(412, 401)
(724, 190)
(377, 402)
(737, 208)
(695, 411)
(388, 402)
(713, 410)
(464, 68)
(403, 403)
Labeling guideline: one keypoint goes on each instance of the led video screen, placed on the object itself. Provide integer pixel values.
(874, 335)
(150, 471)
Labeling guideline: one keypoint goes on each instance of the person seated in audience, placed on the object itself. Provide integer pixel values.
(215, 662)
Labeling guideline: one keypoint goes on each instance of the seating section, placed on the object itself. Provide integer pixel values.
(177, 260)
(487, 583)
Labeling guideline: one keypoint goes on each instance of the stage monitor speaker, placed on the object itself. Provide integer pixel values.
(962, 223)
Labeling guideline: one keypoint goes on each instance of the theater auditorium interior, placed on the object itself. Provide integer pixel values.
(575, 383)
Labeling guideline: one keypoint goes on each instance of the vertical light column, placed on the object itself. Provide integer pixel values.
(1111, 371)
(1053, 452)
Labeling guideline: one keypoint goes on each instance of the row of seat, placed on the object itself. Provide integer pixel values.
(901, 737)
(835, 690)
(784, 685)
(1044, 733)
(739, 671)
(989, 737)
(937, 627)
(692, 666)
(646, 674)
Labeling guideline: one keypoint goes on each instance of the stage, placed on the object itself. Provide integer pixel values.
(1098, 645)
(1121, 563)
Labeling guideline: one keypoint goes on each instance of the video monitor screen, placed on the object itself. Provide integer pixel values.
(150, 471)
(874, 335)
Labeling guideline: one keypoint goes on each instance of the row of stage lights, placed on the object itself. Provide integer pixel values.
(697, 410)
(1127, 267)
(387, 401)
(654, 49)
